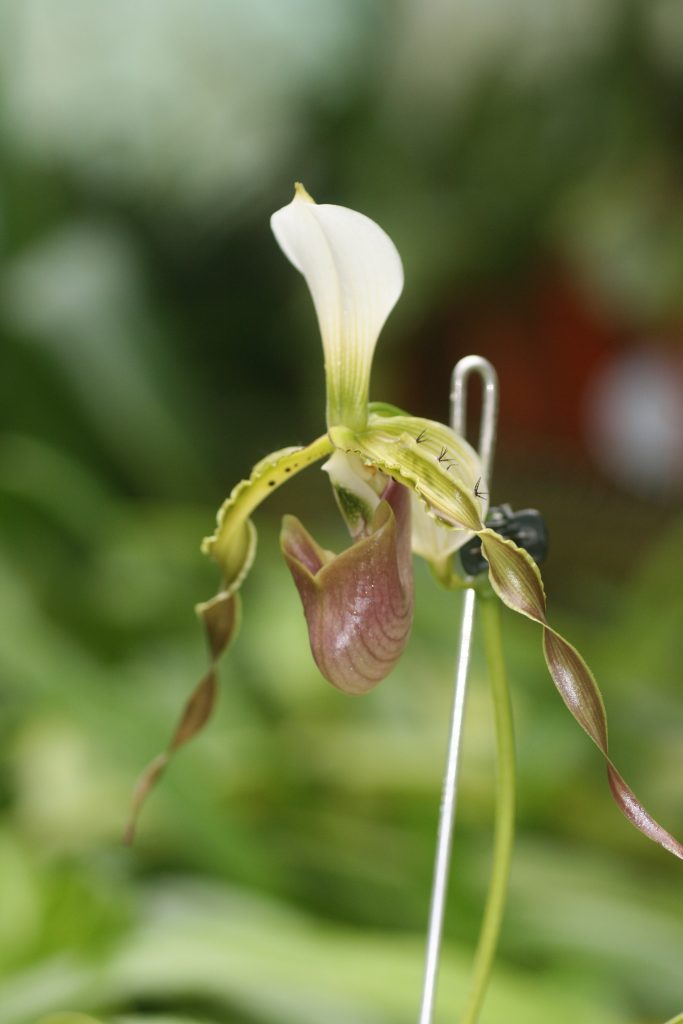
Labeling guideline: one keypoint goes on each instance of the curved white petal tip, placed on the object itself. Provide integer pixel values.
(301, 193)
(355, 276)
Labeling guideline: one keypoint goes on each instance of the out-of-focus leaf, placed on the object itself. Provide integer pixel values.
(634, 938)
(67, 1017)
(260, 960)
(153, 1018)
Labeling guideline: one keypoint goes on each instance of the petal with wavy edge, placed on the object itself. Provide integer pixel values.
(358, 604)
(355, 277)
(439, 467)
(227, 543)
(515, 578)
(232, 546)
(431, 540)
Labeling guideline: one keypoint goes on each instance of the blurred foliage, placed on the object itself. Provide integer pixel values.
(153, 344)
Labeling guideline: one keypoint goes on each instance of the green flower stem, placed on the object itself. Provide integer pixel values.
(505, 810)
(446, 576)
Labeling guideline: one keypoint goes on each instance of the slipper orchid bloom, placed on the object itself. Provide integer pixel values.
(386, 468)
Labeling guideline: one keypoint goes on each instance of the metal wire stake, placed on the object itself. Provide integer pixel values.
(464, 369)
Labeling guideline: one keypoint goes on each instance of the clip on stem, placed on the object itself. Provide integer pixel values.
(464, 369)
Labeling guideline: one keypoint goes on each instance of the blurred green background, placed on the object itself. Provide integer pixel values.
(526, 158)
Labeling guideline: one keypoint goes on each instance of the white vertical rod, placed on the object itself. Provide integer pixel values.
(487, 432)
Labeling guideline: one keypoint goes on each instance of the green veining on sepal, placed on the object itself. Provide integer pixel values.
(354, 510)
(357, 490)
(426, 456)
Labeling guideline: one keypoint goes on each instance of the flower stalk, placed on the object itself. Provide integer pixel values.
(504, 828)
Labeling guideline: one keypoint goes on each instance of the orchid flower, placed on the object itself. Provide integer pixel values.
(401, 482)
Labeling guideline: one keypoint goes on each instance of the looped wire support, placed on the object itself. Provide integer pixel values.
(464, 369)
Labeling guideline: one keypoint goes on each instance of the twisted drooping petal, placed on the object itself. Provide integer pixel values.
(515, 578)
(233, 547)
(359, 604)
(355, 276)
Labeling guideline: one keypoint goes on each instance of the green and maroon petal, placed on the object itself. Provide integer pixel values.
(515, 578)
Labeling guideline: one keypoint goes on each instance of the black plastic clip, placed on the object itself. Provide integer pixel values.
(526, 528)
